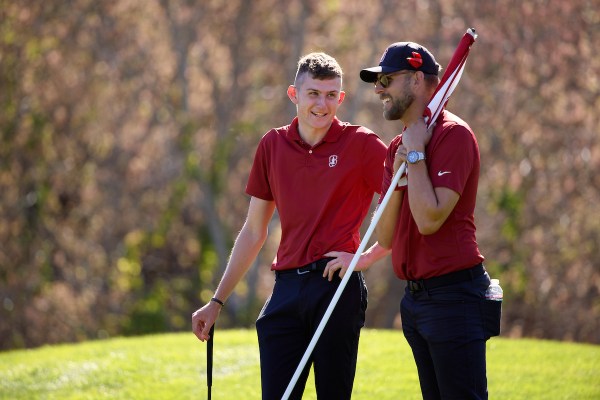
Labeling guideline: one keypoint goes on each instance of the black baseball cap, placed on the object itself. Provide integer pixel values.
(402, 56)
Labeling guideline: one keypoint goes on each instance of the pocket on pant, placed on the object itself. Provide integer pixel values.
(492, 313)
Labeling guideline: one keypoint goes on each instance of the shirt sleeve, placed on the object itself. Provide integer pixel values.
(373, 161)
(454, 158)
(258, 181)
(388, 168)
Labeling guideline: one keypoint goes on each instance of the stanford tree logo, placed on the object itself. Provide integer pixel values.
(333, 161)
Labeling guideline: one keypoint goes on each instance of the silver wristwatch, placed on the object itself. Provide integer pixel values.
(414, 157)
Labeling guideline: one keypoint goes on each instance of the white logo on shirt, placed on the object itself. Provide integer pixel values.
(333, 161)
(440, 173)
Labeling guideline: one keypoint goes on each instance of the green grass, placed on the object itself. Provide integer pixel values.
(173, 366)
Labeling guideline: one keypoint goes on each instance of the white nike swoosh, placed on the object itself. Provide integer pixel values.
(443, 173)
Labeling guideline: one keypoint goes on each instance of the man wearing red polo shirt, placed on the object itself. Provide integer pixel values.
(321, 175)
(429, 225)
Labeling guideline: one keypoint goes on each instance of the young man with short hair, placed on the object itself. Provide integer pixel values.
(321, 174)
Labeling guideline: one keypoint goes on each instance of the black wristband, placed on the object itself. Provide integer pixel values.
(218, 301)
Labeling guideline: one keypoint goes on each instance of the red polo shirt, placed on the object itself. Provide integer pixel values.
(322, 193)
(452, 158)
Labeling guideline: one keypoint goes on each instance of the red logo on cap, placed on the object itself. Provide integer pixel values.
(416, 61)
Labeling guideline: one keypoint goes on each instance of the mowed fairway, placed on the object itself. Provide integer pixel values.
(173, 366)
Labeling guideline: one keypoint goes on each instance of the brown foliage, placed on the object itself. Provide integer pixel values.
(128, 129)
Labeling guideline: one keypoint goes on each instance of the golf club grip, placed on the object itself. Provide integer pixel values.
(209, 359)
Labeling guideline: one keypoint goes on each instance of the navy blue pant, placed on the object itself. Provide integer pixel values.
(445, 330)
(286, 325)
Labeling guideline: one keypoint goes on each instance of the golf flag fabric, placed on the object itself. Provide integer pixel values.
(442, 93)
(450, 78)
(437, 103)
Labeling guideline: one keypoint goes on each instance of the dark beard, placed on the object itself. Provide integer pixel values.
(399, 107)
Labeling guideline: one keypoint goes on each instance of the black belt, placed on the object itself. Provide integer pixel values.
(447, 279)
(315, 266)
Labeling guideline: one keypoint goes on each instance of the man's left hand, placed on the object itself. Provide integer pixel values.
(341, 261)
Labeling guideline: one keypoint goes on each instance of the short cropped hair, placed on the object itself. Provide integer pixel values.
(432, 80)
(319, 66)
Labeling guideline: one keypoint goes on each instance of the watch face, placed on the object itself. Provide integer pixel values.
(412, 157)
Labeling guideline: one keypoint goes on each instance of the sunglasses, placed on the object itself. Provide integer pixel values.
(386, 80)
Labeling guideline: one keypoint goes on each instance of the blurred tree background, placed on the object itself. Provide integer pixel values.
(128, 128)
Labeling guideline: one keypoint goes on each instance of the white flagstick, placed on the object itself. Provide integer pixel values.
(436, 105)
(361, 248)
(343, 283)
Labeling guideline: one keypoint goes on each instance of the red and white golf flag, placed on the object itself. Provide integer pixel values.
(436, 105)
(450, 78)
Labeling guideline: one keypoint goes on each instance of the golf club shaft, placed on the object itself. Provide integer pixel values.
(209, 360)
